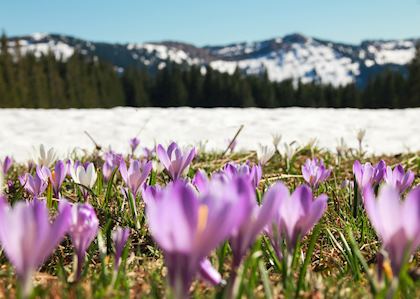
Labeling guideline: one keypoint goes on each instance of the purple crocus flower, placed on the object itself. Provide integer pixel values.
(69, 166)
(398, 178)
(83, 230)
(43, 172)
(175, 160)
(6, 164)
(257, 218)
(368, 175)
(201, 180)
(57, 177)
(136, 174)
(150, 192)
(230, 171)
(296, 215)
(148, 153)
(134, 143)
(120, 237)
(111, 161)
(254, 173)
(314, 172)
(28, 237)
(38, 183)
(396, 222)
(187, 226)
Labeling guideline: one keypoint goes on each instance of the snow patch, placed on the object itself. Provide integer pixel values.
(64, 129)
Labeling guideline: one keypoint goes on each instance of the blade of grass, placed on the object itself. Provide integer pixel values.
(358, 254)
(265, 280)
(308, 256)
(109, 186)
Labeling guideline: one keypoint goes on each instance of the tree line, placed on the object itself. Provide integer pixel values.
(86, 82)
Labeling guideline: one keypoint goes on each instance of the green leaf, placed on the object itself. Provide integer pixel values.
(308, 256)
(109, 186)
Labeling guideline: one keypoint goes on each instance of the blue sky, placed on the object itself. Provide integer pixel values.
(213, 21)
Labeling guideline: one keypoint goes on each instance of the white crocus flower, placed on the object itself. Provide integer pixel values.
(290, 150)
(264, 153)
(201, 146)
(276, 141)
(361, 135)
(341, 147)
(42, 157)
(312, 143)
(84, 176)
(157, 166)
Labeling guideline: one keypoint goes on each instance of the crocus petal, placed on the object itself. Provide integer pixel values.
(411, 212)
(314, 214)
(163, 156)
(271, 203)
(178, 205)
(200, 180)
(208, 273)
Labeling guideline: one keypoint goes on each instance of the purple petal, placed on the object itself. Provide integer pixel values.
(163, 156)
(208, 273)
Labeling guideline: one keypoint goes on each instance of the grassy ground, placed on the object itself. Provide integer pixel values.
(342, 262)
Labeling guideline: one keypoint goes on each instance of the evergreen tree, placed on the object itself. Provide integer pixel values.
(85, 82)
(6, 66)
(413, 97)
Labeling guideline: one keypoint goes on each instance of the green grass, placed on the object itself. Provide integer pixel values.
(340, 264)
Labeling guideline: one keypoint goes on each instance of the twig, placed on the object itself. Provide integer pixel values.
(233, 140)
(281, 176)
(142, 128)
(97, 146)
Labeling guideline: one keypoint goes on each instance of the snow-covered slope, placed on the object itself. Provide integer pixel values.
(306, 61)
(294, 56)
(64, 130)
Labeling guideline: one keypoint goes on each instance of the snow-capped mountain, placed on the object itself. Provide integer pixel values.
(294, 56)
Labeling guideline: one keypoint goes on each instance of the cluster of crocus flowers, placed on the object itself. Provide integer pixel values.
(253, 173)
(188, 219)
(314, 172)
(229, 171)
(398, 178)
(84, 175)
(36, 184)
(367, 175)
(83, 230)
(188, 225)
(28, 237)
(396, 221)
(175, 160)
(296, 215)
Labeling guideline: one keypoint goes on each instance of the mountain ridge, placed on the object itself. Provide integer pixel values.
(294, 56)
